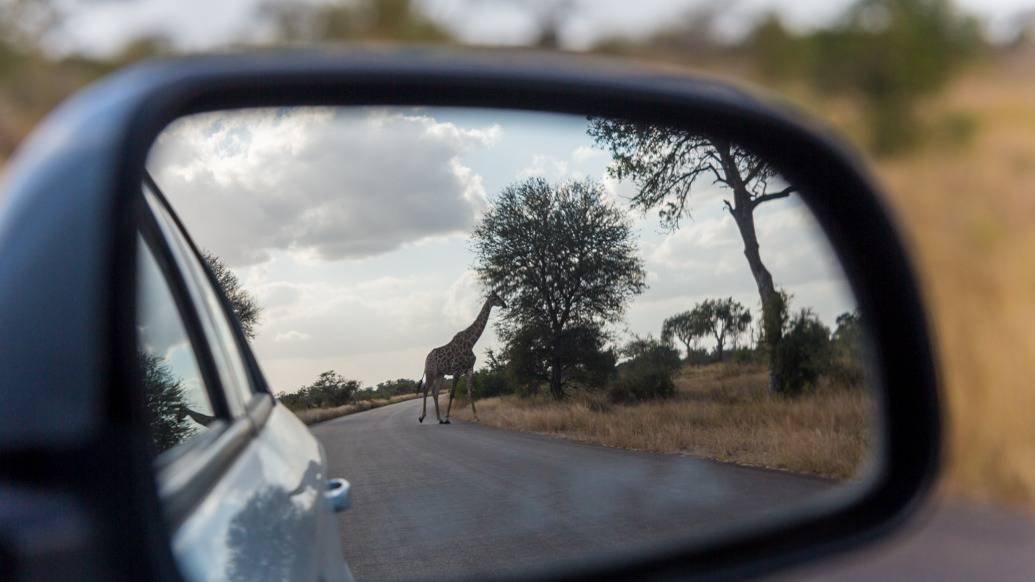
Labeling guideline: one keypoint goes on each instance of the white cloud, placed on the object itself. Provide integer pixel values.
(290, 336)
(583, 154)
(333, 184)
(543, 166)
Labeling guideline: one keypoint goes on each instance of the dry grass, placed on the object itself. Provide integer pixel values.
(970, 214)
(315, 415)
(721, 412)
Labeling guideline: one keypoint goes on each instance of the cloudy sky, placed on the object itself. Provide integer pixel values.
(351, 226)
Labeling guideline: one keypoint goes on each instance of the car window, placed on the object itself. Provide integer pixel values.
(218, 330)
(176, 397)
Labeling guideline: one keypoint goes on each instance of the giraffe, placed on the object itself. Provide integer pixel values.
(455, 359)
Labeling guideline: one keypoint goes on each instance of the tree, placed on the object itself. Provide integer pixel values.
(166, 402)
(804, 353)
(686, 327)
(666, 163)
(243, 303)
(358, 20)
(890, 54)
(847, 366)
(647, 374)
(564, 260)
(651, 351)
(724, 319)
(329, 390)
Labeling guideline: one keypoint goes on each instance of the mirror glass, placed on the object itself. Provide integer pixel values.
(524, 337)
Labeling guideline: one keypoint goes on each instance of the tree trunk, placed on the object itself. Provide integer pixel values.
(555, 370)
(743, 211)
(743, 215)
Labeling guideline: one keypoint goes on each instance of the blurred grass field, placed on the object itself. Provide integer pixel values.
(968, 210)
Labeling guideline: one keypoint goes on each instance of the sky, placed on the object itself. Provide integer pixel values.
(351, 226)
(103, 26)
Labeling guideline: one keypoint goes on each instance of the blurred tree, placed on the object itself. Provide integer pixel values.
(243, 303)
(362, 20)
(887, 53)
(665, 163)
(565, 262)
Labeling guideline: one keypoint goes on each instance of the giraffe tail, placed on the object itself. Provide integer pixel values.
(420, 384)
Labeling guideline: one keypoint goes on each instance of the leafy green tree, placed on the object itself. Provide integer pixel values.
(666, 163)
(243, 303)
(565, 261)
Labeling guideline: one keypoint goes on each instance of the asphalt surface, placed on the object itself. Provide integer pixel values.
(465, 500)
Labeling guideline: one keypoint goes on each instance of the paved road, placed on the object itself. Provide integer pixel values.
(440, 501)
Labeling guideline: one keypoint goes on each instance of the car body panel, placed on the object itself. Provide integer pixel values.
(267, 517)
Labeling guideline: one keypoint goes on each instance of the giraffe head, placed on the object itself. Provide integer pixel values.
(495, 299)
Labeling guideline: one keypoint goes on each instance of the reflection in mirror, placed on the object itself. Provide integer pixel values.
(579, 336)
(174, 391)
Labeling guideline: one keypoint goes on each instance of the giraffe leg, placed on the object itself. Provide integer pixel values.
(470, 393)
(434, 393)
(452, 391)
(424, 405)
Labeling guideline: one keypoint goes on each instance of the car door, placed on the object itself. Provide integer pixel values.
(243, 481)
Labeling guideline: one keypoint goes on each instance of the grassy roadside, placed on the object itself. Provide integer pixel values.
(722, 411)
(315, 415)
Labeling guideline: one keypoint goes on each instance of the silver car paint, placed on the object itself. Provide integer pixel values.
(267, 518)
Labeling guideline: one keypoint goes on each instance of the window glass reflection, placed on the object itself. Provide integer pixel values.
(175, 394)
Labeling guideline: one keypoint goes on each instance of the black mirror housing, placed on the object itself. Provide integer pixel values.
(67, 323)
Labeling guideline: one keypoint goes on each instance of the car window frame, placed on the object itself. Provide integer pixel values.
(185, 477)
(260, 404)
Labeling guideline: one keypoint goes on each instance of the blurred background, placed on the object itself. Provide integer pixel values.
(940, 96)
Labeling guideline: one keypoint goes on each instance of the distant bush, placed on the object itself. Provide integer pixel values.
(489, 382)
(390, 388)
(652, 351)
(330, 389)
(803, 354)
(846, 362)
(698, 357)
(647, 375)
(641, 380)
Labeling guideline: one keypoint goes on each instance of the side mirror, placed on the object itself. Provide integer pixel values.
(74, 438)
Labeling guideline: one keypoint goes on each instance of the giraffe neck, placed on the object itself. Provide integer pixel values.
(472, 333)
